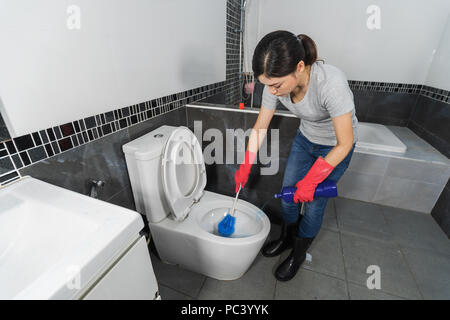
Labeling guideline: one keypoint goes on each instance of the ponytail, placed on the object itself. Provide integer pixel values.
(310, 49)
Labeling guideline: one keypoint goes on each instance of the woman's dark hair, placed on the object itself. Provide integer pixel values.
(279, 52)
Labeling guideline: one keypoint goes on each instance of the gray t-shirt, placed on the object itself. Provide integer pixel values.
(328, 96)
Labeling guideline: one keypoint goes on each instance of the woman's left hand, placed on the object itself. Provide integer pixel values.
(305, 191)
(307, 186)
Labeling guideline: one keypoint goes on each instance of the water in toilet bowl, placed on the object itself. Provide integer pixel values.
(246, 224)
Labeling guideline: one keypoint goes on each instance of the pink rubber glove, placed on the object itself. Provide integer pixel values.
(241, 175)
(307, 186)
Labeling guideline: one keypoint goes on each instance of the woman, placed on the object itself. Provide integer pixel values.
(320, 96)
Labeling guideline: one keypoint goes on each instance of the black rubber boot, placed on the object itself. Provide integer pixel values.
(276, 247)
(289, 267)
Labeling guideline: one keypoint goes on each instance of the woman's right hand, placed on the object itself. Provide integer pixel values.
(241, 175)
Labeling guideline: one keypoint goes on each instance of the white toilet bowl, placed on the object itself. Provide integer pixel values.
(182, 216)
(195, 244)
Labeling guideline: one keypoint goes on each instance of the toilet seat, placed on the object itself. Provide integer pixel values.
(183, 172)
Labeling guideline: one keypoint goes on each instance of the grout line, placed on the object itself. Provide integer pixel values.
(378, 290)
(427, 250)
(10, 180)
(342, 249)
(276, 280)
(115, 194)
(324, 274)
(201, 288)
(176, 290)
(14, 164)
(411, 272)
(399, 247)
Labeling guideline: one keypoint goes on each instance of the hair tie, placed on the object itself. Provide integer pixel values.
(300, 40)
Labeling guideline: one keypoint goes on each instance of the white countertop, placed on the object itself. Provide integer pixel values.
(54, 242)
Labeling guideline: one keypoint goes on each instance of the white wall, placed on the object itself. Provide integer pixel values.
(401, 51)
(126, 52)
(439, 73)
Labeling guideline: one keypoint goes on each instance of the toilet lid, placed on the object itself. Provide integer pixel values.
(183, 171)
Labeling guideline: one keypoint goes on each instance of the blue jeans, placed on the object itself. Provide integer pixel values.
(301, 158)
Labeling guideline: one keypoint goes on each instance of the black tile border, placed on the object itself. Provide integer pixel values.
(436, 94)
(426, 91)
(31, 148)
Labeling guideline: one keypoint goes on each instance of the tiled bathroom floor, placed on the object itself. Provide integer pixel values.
(410, 249)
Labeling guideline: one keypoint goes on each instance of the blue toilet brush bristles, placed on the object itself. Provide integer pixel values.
(226, 226)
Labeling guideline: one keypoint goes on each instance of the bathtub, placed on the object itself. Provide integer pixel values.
(377, 137)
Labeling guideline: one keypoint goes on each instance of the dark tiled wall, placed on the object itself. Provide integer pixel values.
(260, 188)
(384, 107)
(423, 109)
(441, 211)
(430, 119)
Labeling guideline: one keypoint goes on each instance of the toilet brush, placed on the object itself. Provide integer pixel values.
(226, 226)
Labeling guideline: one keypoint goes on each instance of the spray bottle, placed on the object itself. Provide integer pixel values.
(326, 188)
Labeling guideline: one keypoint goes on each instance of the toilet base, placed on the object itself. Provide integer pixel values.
(224, 263)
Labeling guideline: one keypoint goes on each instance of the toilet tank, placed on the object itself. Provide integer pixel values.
(143, 157)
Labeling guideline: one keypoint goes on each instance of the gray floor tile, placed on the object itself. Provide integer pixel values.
(179, 279)
(167, 293)
(310, 285)
(431, 271)
(362, 218)
(396, 277)
(363, 293)
(416, 230)
(329, 217)
(326, 253)
(257, 283)
(409, 247)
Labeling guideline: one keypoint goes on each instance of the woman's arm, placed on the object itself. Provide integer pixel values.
(323, 167)
(344, 136)
(257, 136)
(260, 129)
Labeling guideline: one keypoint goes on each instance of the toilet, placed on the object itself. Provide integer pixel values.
(167, 173)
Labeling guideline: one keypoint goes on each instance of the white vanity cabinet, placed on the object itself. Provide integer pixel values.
(130, 277)
(56, 244)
